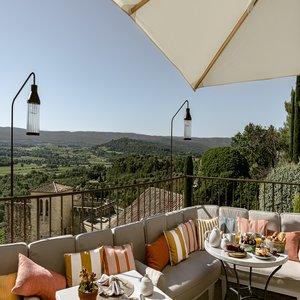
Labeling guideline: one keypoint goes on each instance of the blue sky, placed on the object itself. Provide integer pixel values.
(96, 71)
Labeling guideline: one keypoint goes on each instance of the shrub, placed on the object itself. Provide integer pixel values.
(281, 196)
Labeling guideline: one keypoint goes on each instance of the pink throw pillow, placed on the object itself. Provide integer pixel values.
(292, 244)
(255, 226)
(34, 280)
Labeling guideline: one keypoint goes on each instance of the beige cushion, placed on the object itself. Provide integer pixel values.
(154, 227)
(189, 213)
(192, 276)
(93, 240)
(207, 211)
(233, 212)
(40, 252)
(11, 254)
(290, 222)
(273, 218)
(174, 218)
(132, 233)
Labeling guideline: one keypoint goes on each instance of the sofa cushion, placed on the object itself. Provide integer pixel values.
(207, 211)
(233, 212)
(7, 282)
(10, 253)
(118, 259)
(157, 253)
(203, 226)
(154, 227)
(189, 213)
(74, 263)
(93, 240)
(177, 246)
(188, 231)
(132, 233)
(174, 218)
(290, 222)
(191, 277)
(273, 218)
(34, 280)
(41, 250)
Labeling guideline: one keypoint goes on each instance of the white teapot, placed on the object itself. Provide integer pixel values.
(146, 286)
(213, 237)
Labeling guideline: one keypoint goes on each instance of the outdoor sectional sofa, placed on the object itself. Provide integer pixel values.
(187, 280)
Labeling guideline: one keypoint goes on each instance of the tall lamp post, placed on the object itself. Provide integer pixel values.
(33, 128)
(187, 136)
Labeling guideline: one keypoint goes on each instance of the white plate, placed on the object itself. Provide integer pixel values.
(263, 257)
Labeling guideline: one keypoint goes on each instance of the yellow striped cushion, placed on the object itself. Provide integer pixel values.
(205, 225)
(74, 262)
(118, 259)
(177, 247)
(188, 230)
(7, 282)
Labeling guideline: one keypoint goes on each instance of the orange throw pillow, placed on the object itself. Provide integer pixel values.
(157, 254)
(34, 280)
(6, 284)
(292, 244)
(255, 226)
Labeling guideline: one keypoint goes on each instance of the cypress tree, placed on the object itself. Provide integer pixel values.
(291, 123)
(188, 187)
(296, 146)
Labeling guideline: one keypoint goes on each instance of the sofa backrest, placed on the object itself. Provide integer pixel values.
(9, 254)
(290, 222)
(93, 240)
(154, 226)
(173, 219)
(49, 253)
(207, 211)
(272, 217)
(131, 233)
(233, 212)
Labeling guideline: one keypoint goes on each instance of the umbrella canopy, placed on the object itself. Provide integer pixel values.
(214, 42)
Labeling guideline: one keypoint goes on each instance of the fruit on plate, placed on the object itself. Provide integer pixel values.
(234, 247)
(262, 252)
(248, 238)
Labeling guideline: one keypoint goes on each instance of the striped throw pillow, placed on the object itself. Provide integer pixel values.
(118, 259)
(177, 247)
(188, 230)
(74, 262)
(204, 225)
(255, 226)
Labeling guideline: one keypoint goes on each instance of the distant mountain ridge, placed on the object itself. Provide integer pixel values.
(90, 138)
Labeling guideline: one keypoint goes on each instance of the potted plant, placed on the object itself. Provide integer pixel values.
(88, 288)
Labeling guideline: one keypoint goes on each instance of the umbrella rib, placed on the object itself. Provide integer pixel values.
(226, 42)
(138, 6)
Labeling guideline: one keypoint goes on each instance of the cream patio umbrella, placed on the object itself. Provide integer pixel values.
(213, 42)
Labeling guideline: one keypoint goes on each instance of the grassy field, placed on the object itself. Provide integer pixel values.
(18, 169)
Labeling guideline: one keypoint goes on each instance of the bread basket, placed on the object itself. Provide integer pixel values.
(278, 245)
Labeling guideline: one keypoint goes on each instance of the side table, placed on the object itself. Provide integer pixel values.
(249, 261)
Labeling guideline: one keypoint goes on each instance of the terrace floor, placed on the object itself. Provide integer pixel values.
(232, 296)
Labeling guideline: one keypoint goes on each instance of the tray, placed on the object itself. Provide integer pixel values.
(237, 254)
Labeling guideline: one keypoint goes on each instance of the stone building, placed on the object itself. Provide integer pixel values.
(41, 217)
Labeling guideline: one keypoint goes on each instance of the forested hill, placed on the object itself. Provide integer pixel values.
(89, 138)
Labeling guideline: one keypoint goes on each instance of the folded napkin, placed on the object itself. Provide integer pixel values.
(113, 283)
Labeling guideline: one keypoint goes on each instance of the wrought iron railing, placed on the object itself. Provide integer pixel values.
(33, 217)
